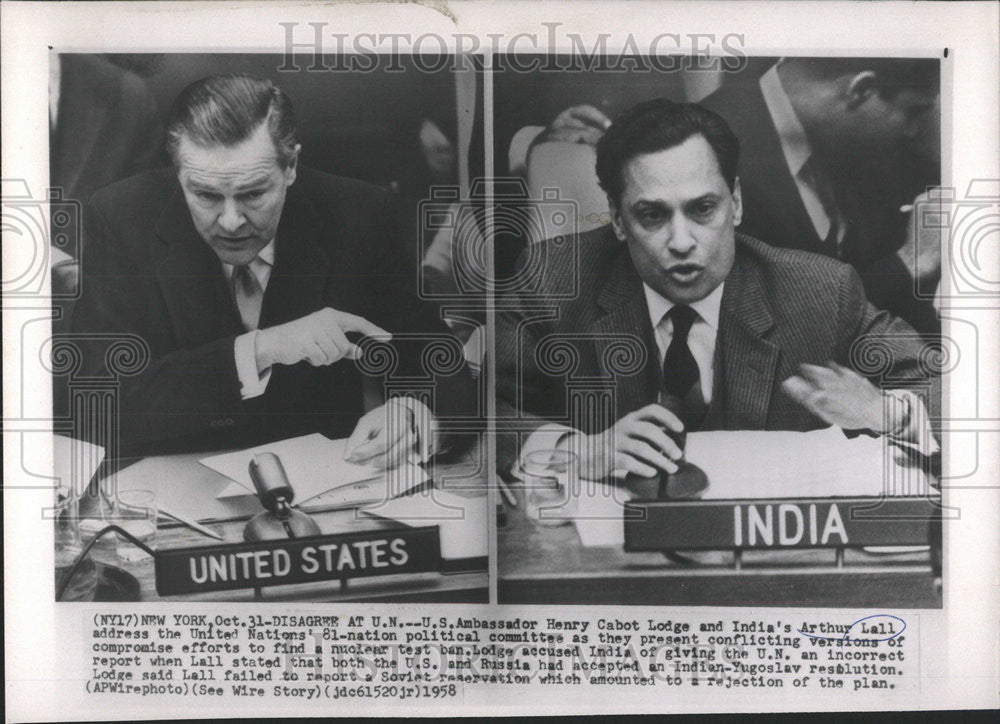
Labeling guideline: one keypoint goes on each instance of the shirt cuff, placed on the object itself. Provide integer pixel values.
(424, 426)
(914, 431)
(252, 384)
(57, 256)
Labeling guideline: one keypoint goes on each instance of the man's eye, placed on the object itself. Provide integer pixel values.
(650, 216)
(704, 209)
(253, 195)
(206, 196)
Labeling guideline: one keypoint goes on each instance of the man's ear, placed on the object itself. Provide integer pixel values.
(737, 202)
(860, 87)
(616, 219)
(291, 170)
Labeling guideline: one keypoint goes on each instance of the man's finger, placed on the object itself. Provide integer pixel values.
(629, 463)
(361, 433)
(660, 415)
(354, 323)
(590, 116)
(344, 346)
(798, 389)
(646, 453)
(316, 355)
(805, 394)
(655, 436)
(819, 376)
(367, 450)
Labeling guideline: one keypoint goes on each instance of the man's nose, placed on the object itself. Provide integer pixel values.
(681, 241)
(231, 217)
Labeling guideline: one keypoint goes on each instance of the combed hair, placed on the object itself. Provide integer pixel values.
(657, 125)
(226, 110)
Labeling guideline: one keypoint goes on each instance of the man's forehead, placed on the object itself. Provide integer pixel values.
(691, 166)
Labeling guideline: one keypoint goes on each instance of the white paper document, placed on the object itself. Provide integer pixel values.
(752, 464)
(314, 464)
(74, 462)
(462, 520)
(819, 463)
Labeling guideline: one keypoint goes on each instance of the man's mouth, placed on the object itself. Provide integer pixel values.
(234, 240)
(684, 273)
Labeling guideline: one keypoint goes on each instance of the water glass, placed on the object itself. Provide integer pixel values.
(136, 513)
(546, 475)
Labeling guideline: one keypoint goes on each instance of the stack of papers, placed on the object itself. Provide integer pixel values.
(315, 465)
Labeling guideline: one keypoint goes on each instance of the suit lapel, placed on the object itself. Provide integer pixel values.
(746, 362)
(191, 280)
(193, 284)
(624, 311)
(301, 265)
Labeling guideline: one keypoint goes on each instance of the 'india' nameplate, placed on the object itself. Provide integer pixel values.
(774, 523)
(300, 560)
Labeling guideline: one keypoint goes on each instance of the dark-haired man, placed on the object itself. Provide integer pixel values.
(251, 281)
(691, 325)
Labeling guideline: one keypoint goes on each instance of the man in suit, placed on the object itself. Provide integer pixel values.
(826, 144)
(251, 280)
(683, 324)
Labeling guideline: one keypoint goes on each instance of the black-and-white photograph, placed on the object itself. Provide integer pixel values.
(246, 353)
(499, 358)
(718, 355)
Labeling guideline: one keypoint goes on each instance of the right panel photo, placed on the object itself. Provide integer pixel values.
(718, 351)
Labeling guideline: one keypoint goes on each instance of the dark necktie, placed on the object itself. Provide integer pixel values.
(680, 371)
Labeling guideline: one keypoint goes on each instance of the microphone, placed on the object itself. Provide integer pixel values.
(278, 520)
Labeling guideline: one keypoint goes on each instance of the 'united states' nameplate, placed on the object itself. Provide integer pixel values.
(301, 560)
(777, 523)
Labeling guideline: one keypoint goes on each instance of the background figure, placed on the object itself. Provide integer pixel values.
(527, 103)
(104, 126)
(829, 155)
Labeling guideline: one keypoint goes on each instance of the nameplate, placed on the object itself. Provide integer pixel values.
(300, 560)
(777, 523)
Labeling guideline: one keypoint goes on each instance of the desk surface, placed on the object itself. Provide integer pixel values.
(468, 583)
(545, 565)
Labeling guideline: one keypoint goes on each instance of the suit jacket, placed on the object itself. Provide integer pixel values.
(148, 273)
(108, 126)
(780, 308)
(773, 209)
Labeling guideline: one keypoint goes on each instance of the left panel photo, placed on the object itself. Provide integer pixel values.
(266, 385)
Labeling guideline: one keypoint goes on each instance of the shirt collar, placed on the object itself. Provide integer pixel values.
(708, 308)
(264, 256)
(791, 134)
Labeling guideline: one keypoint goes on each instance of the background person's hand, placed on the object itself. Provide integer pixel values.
(579, 124)
(319, 338)
(839, 396)
(384, 437)
(637, 443)
(925, 237)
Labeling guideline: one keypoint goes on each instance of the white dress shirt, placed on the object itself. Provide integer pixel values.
(252, 384)
(701, 342)
(799, 156)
